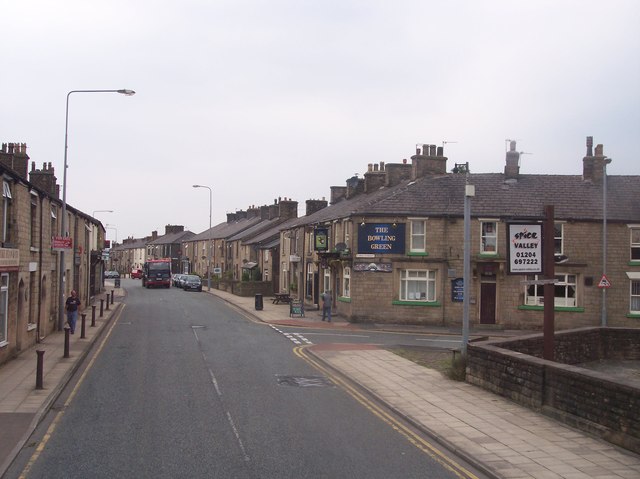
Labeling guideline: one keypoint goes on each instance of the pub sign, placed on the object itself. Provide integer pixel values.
(321, 239)
(381, 238)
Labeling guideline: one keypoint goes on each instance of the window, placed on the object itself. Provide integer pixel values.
(558, 238)
(635, 244)
(309, 285)
(327, 280)
(346, 275)
(4, 295)
(417, 285)
(418, 236)
(635, 297)
(34, 219)
(6, 197)
(489, 237)
(284, 277)
(347, 233)
(565, 291)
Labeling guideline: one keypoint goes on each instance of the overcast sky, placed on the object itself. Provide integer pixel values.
(286, 98)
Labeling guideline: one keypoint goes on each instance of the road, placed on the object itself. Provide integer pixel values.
(184, 386)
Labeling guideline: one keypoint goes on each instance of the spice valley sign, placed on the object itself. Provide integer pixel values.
(525, 248)
(381, 238)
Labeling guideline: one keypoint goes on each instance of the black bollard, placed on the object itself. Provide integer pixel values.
(112, 296)
(39, 369)
(66, 341)
(107, 308)
(101, 306)
(82, 325)
(93, 315)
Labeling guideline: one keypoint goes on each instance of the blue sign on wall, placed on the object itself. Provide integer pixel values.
(457, 290)
(381, 238)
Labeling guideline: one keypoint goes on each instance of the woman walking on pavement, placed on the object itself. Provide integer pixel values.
(72, 305)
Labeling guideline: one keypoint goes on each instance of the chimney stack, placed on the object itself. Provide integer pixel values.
(430, 162)
(512, 168)
(593, 165)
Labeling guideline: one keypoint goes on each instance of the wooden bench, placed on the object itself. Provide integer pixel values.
(281, 298)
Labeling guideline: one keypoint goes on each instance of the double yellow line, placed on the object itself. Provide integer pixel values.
(45, 439)
(384, 415)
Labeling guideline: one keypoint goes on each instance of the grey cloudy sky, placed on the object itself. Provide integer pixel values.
(285, 98)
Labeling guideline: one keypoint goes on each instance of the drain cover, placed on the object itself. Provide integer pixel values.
(304, 381)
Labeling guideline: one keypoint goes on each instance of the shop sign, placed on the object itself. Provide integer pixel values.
(373, 267)
(59, 243)
(524, 248)
(381, 238)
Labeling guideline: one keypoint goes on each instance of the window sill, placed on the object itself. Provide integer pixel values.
(634, 263)
(488, 255)
(34, 249)
(564, 309)
(417, 303)
(417, 253)
(31, 326)
(633, 315)
(344, 299)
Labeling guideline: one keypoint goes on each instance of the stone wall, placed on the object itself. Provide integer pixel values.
(245, 288)
(589, 400)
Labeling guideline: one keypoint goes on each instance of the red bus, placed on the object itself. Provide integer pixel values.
(157, 272)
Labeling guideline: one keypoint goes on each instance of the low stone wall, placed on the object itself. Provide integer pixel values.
(586, 399)
(245, 288)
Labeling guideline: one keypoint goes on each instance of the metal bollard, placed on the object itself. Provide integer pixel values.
(107, 308)
(101, 306)
(93, 315)
(82, 325)
(67, 329)
(39, 369)
(112, 296)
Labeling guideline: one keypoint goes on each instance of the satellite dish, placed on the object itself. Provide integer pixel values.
(340, 247)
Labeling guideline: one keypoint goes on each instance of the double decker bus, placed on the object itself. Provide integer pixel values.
(157, 273)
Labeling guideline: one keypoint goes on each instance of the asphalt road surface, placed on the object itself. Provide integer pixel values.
(185, 386)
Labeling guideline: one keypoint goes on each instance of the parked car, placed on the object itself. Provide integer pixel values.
(111, 274)
(176, 278)
(191, 282)
(136, 273)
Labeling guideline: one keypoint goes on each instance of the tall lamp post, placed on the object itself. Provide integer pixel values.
(61, 289)
(209, 240)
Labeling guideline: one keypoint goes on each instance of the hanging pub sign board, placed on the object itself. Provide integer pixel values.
(320, 239)
(524, 248)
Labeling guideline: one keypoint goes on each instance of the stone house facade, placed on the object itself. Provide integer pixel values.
(29, 265)
(395, 245)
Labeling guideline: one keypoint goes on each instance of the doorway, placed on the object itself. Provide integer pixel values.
(488, 301)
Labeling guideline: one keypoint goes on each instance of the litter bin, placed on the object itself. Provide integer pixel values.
(258, 302)
(117, 282)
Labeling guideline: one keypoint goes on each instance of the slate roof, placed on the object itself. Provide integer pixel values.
(225, 230)
(172, 238)
(443, 196)
(572, 197)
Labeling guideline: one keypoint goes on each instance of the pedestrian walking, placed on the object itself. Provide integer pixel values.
(327, 301)
(72, 305)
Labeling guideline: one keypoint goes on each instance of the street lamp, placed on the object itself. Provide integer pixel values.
(209, 245)
(100, 211)
(64, 197)
(112, 227)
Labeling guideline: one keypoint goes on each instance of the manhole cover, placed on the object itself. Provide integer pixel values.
(304, 381)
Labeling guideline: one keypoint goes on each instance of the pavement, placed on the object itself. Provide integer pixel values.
(498, 437)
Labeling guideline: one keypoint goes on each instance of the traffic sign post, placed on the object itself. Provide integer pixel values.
(604, 282)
